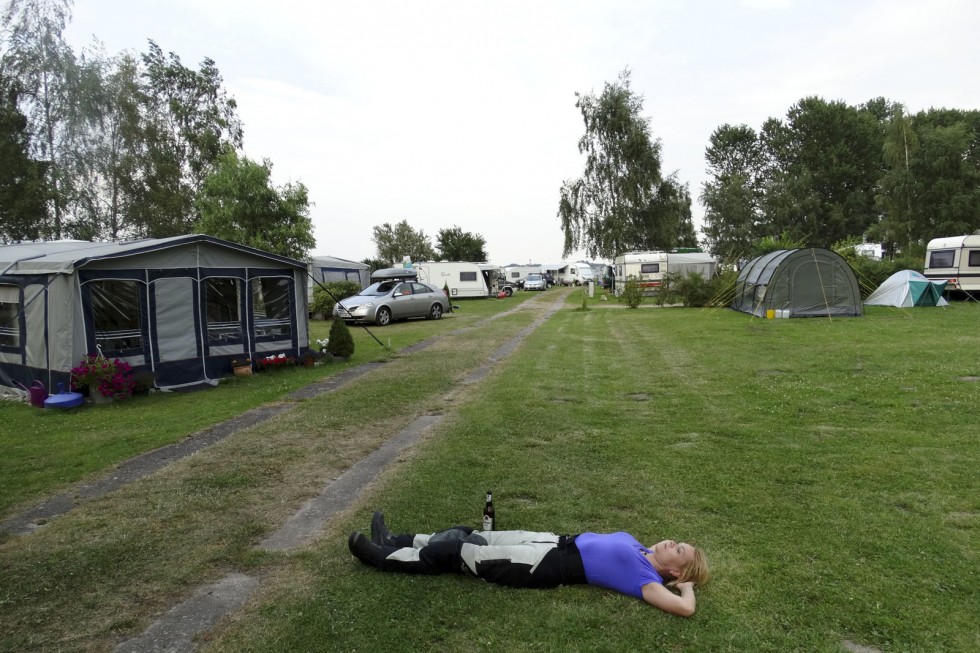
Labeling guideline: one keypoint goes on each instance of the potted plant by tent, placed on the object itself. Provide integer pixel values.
(241, 366)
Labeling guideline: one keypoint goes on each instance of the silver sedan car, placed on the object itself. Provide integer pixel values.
(382, 302)
(535, 282)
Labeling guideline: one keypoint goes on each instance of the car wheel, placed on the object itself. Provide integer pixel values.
(436, 312)
(383, 316)
(508, 291)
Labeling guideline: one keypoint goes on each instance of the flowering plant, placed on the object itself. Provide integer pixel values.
(111, 378)
(273, 361)
(323, 343)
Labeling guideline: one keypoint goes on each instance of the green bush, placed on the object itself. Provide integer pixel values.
(632, 292)
(694, 290)
(667, 293)
(341, 342)
(322, 302)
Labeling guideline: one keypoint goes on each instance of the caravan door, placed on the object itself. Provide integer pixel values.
(178, 356)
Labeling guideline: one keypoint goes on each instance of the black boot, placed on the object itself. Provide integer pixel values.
(380, 533)
(365, 550)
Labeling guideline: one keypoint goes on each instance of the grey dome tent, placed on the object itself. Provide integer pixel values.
(811, 282)
(908, 288)
(180, 307)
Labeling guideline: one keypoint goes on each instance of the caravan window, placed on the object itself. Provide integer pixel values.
(270, 308)
(116, 313)
(649, 268)
(10, 318)
(223, 311)
(942, 258)
(467, 276)
(974, 258)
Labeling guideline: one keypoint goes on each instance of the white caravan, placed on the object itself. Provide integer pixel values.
(516, 274)
(560, 271)
(462, 278)
(649, 267)
(955, 260)
(581, 273)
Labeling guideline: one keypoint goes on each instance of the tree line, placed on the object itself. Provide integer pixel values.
(828, 173)
(96, 146)
(831, 172)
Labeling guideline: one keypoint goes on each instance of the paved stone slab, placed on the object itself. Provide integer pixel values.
(341, 493)
(175, 631)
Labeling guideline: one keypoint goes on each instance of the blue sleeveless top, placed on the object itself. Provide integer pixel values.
(616, 561)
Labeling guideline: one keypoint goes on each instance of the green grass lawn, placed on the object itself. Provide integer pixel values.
(45, 450)
(828, 468)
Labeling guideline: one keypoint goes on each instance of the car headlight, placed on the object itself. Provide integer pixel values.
(366, 305)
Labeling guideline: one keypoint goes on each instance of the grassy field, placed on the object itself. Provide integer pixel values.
(829, 469)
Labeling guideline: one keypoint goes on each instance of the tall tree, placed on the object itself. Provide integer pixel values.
(238, 202)
(109, 98)
(666, 221)
(44, 66)
(23, 192)
(946, 166)
(188, 120)
(395, 243)
(897, 187)
(454, 244)
(733, 193)
(825, 161)
(614, 206)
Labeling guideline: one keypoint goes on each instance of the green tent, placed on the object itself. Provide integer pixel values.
(811, 282)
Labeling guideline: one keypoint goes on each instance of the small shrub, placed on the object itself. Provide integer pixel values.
(694, 290)
(341, 342)
(667, 293)
(323, 303)
(632, 292)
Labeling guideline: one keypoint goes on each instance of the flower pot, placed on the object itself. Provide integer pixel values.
(99, 398)
(244, 370)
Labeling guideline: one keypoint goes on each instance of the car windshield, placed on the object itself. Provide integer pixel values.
(380, 288)
(534, 277)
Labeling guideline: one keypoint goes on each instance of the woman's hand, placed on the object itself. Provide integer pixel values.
(685, 585)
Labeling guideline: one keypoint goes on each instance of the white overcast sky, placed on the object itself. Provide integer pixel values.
(462, 113)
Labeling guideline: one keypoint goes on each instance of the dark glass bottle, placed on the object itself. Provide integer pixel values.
(489, 514)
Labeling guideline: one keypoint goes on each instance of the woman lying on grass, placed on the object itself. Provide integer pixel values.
(543, 560)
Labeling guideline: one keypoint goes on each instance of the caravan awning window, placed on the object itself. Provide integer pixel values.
(10, 318)
(116, 313)
(270, 308)
(224, 312)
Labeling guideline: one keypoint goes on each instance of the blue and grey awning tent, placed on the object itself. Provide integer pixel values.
(181, 307)
(811, 282)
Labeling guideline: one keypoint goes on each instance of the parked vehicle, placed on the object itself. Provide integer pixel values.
(955, 260)
(650, 267)
(581, 273)
(515, 274)
(385, 301)
(535, 282)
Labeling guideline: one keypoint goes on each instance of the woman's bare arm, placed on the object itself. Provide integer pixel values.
(659, 596)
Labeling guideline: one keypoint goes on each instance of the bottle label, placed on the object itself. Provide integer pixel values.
(487, 523)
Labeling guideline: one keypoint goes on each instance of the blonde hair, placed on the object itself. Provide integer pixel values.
(696, 571)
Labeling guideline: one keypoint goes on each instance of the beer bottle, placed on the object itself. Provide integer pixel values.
(489, 515)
